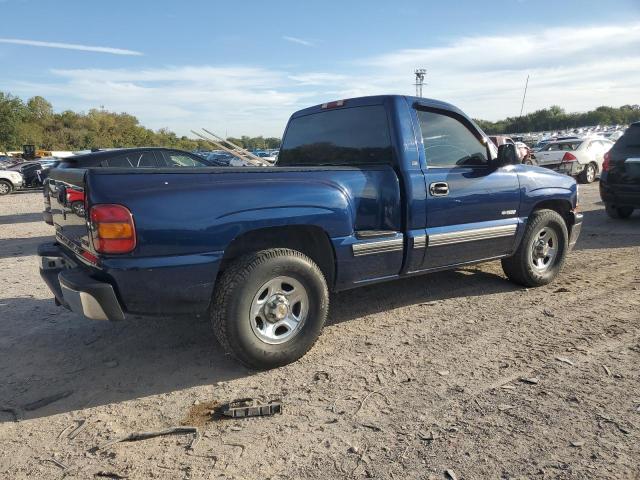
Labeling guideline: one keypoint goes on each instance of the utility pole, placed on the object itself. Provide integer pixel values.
(524, 96)
(420, 74)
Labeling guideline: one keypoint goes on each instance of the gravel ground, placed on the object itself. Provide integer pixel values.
(419, 378)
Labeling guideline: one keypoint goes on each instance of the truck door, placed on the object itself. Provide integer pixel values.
(472, 207)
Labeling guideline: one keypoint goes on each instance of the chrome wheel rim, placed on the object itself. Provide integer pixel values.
(4, 188)
(278, 310)
(591, 173)
(544, 249)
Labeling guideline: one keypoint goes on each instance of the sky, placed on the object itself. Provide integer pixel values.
(243, 67)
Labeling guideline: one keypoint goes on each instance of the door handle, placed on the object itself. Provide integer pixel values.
(439, 189)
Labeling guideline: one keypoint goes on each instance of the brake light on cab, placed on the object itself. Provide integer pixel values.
(569, 157)
(112, 229)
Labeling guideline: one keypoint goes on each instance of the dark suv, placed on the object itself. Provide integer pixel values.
(620, 178)
(146, 157)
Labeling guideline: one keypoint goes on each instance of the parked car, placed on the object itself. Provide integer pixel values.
(31, 173)
(581, 158)
(143, 157)
(620, 179)
(546, 141)
(10, 180)
(266, 156)
(365, 190)
(140, 157)
(219, 159)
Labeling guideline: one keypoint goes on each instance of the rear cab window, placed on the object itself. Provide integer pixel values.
(345, 136)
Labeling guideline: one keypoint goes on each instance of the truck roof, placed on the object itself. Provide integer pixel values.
(379, 100)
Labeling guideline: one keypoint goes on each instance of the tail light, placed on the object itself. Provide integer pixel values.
(569, 157)
(607, 162)
(112, 229)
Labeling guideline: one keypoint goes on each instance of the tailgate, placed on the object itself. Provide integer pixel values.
(67, 198)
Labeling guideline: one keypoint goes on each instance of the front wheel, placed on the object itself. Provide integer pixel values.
(618, 212)
(269, 307)
(542, 251)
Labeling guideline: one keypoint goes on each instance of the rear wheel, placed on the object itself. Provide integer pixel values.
(269, 307)
(5, 187)
(588, 175)
(542, 251)
(618, 212)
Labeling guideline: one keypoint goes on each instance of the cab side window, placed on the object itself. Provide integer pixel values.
(179, 159)
(449, 143)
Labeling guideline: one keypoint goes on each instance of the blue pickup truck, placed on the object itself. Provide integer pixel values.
(365, 190)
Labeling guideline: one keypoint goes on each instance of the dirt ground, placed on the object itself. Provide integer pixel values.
(420, 378)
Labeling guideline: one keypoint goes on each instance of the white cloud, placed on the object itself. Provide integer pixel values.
(70, 46)
(577, 68)
(299, 41)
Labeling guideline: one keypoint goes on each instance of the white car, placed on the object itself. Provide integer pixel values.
(581, 158)
(10, 180)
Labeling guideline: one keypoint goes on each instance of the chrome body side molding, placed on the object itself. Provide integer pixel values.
(475, 234)
(420, 241)
(378, 246)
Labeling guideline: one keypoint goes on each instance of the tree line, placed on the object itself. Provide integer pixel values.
(35, 123)
(556, 118)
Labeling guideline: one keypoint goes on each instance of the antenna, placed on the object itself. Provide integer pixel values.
(420, 74)
(524, 96)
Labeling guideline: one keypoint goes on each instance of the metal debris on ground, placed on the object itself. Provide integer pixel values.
(248, 407)
(530, 380)
(56, 462)
(450, 474)
(136, 436)
(565, 360)
(106, 474)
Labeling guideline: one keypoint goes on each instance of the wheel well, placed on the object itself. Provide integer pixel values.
(308, 239)
(563, 207)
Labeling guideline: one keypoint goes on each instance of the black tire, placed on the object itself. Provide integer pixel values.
(236, 291)
(588, 175)
(520, 267)
(78, 208)
(618, 212)
(5, 187)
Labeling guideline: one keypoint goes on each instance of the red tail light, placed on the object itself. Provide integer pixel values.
(606, 163)
(112, 229)
(569, 157)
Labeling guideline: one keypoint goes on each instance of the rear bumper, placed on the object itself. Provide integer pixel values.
(148, 286)
(568, 168)
(620, 195)
(75, 289)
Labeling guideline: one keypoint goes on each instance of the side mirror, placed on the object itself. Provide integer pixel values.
(507, 155)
